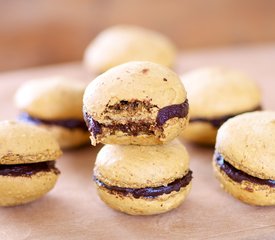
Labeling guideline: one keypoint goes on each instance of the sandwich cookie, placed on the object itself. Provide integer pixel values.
(55, 104)
(244, 160)
(139, 103)
(27, 163)
(215, 95)
(143, 180)
(124, 43)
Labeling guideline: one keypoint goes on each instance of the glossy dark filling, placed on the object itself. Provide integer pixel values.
(133, 128)
(26, 170)
(217, 122)
(176, 110)
(149, 192)
(69, 123)
(238, 175)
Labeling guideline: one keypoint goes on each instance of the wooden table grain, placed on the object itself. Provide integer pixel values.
(72, 209)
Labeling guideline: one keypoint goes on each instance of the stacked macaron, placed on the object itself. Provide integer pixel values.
(27, 163)
(55, 103)
(143, 108)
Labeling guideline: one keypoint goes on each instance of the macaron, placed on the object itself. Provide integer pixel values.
(216, 94)
(55, 103)
(141, 103)
(27, 163)
(143, 180)
(244, 160)
(123, 43)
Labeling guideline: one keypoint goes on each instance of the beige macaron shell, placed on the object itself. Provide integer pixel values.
(217, 91)
(120, 44)
(248, 192)
(133, 80)
(24, 143)
(201, 133)
(54, 98)
(144, 206)
(247, 142)
(20, 190)
(141, 166)
(66, 137)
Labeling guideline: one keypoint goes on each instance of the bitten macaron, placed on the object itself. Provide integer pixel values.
(123, 43)
(244, 160)
(141, 103)
(27, 163)
(216, 94)
(143, 180)
(55, 103)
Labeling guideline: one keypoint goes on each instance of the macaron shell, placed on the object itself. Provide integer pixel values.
(25, 143)
(247, 142)
(144, 206)
(216, 91)
(248, 192)
(171, 129)
(68, 138)
(53, 98)
(20, 190)
(124, 43)
(133, 166)
(122, 139)
(146, 81)
(201, 133)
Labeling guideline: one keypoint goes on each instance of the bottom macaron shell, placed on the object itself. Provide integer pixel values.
(143, 206)
(171, 129)
(15, 190)
(248, 192)
(201, 133)
(68, 138)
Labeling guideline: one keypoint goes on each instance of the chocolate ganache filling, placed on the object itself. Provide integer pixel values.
(135, 128)
(68, 123)
(238, 175)
(217, 122)
(149, 192)
(28, 169)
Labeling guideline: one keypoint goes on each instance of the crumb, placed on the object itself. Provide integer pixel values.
(145, 70)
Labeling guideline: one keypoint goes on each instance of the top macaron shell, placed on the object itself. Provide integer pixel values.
(247, 142)
(24, 143)
(215, 92)
(134, 80)
(141, 166)
(124, 43)
(51, 98)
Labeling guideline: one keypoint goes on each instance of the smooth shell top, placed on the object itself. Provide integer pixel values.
(247, 142)
(215, 92)
(52, 98)
(124, 43)
(143, 81)
(25, 143)
(141, 166)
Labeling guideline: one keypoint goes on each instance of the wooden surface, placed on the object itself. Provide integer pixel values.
(42, 32)
(73, 210)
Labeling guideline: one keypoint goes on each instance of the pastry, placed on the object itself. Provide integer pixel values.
(139, 103)
(55, 104)
(27, 163)
(215, 95)
(143, 180)
(124, 43)
(244, 159)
